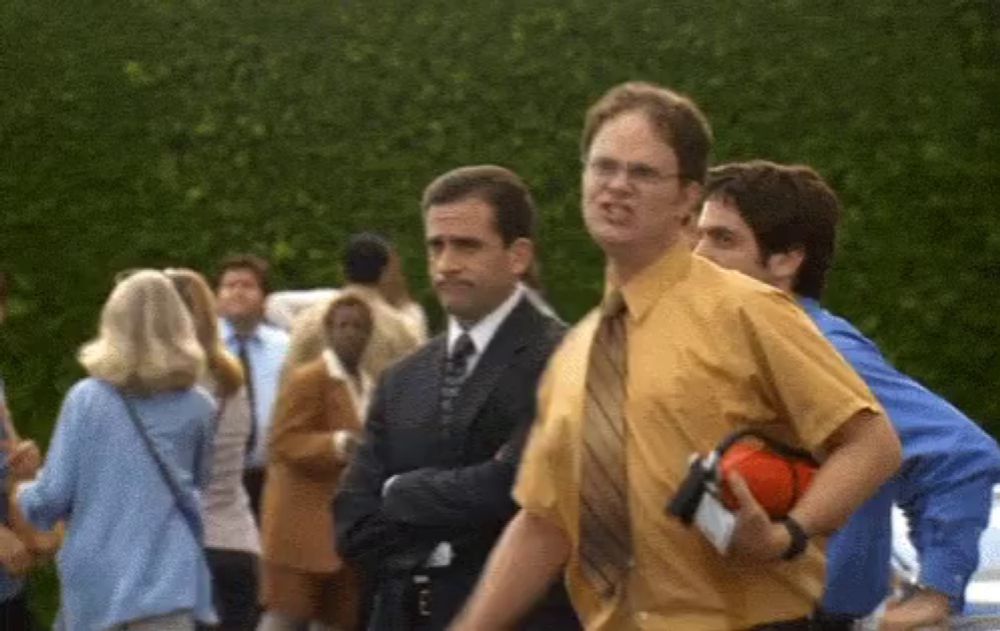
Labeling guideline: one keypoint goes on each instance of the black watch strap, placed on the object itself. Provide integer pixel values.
(799, 539)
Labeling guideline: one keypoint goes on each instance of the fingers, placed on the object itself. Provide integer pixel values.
(14, 555)
(20, 562)
(742, 492)
(24, 460)
(24, 449)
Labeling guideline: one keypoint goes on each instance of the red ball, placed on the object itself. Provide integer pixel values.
(776, 481)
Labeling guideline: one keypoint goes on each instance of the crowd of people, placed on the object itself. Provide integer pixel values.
(242, 459)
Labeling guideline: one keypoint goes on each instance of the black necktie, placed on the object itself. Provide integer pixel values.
(454, 375)
(242, 341)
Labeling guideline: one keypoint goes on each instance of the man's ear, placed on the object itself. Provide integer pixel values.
(694, 196)
(520, 253)
(784, 267)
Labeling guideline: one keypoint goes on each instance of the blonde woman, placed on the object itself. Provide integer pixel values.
(132, 557)
(231, 539)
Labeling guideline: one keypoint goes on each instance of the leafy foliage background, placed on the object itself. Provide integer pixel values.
(173, 132)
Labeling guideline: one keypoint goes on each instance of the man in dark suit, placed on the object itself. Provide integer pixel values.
(428, 493)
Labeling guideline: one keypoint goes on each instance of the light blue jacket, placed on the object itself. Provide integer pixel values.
(128, 552)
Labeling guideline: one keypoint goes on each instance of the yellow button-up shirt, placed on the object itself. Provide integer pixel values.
(709, 351)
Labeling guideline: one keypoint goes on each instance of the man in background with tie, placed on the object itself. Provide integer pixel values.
(241, 290)
(429, 490)
(680, 354)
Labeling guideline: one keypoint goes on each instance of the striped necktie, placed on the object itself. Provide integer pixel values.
(454, 375)
(605, 531)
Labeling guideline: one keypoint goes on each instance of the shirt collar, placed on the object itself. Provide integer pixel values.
(811, 305)
(646, 287)
(335, 368)
(484, 330)
(229, 333)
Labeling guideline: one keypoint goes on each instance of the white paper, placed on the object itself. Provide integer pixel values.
(715, 522)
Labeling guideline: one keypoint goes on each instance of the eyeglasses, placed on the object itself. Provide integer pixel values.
(638, 173)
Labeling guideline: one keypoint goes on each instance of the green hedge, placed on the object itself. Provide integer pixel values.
(171, 132)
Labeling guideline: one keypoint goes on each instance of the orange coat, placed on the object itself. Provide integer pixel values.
(304, 469)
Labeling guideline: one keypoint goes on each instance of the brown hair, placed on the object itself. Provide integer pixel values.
(786, 208)
(678, 121)
(255, 264)
(198, 298)
(513, 208)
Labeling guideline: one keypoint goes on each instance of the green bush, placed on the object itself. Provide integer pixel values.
(165, 132)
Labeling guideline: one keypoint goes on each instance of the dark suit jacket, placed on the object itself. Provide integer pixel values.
(451, 484)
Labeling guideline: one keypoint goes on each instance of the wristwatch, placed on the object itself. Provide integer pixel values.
(799, 539)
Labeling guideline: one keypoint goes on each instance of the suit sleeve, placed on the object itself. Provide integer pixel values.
(478, 493)
(299, 437)
(474, 494)
(364, 534)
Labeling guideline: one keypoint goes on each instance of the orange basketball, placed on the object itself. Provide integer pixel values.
(775, 480)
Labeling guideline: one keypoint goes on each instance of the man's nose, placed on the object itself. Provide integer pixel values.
(446, 262)
(619, 180)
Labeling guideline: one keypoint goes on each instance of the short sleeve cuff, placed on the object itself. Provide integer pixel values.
(819, 433)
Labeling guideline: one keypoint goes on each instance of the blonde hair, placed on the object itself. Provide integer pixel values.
(146, 340)
(200, 301)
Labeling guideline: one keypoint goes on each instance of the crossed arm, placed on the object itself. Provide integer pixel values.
(374, 519)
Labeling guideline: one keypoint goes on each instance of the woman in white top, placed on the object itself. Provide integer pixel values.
(231, 539)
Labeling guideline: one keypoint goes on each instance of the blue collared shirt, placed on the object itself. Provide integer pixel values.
(128, 553)
(944, 486)
(10, 586)
(266, 350)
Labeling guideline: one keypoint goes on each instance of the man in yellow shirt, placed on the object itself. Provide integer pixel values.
(680, 354)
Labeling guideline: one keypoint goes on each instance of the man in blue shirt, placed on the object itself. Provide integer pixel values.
(241, 290)
(778, 224)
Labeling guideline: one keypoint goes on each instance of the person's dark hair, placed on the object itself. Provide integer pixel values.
(678, 121)
(513, 208)
(347, 299)
(365, 258)
(343, 300)
(255, 264)
(786, 208)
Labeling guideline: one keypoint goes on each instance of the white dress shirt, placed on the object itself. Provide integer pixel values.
(482, 332)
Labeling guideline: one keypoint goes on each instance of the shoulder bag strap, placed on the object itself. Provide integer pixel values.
(190, 518)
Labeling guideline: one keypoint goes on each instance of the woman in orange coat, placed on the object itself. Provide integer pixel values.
(317, 422)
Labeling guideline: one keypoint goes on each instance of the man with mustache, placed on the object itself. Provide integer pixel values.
(429, 490)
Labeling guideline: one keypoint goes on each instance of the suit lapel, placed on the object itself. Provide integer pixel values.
(428, 377)
(510, 339)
